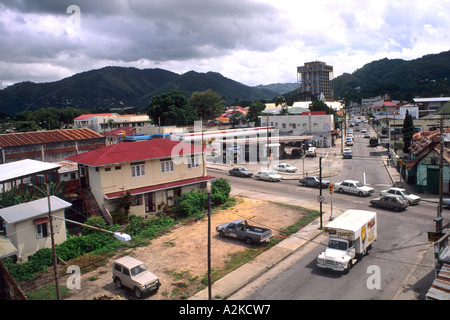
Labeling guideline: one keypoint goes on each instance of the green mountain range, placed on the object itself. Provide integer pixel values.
(428, 76)
(111, 87)
(119, 87)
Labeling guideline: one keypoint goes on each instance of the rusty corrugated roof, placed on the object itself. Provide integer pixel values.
(27, 138)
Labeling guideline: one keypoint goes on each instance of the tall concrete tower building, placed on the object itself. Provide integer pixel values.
(315, 78)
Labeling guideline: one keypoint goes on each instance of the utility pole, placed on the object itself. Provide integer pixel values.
(320, 188)
(441, 178)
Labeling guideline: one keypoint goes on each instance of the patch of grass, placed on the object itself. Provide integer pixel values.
(48, 293)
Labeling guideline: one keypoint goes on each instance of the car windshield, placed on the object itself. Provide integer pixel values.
(406, 193)
(359, 184)
(138, 269)
(336, 244)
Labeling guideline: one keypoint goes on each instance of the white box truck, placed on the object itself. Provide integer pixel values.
(350, 237)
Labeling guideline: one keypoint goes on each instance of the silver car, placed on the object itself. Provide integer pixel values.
(353, 186)
(268, 175)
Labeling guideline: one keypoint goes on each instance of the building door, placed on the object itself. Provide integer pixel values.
(433, 180)
(150, 205)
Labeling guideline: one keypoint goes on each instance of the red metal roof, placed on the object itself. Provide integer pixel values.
(38, 137)
(87, 116)
(157, 187)
(135, 151)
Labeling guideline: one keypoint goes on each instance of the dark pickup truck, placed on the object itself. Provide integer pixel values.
(240, 229)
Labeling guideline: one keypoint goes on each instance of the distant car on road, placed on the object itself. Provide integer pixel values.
(367, 135)
(412, 198)
(347, 154)
(240, 172)
(314, 181)
(311, 152)
(349, 142)
(353, 186)
(391, 201)
(268, 175)
(285, 167)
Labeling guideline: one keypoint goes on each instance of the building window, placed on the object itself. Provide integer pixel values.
(41, 230)
(137, 200)
(137, 169)
(193, 162)
(166, 165)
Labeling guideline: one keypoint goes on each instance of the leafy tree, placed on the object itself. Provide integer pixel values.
(208, 104)
(236, 117)
(254, 111)
(171, 108)
(408, 132)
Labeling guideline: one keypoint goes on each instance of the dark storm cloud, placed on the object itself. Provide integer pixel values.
(155, 30)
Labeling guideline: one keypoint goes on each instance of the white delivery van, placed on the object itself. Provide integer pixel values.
(350, 237)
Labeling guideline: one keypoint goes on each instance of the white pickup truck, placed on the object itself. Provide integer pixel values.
(350, 237)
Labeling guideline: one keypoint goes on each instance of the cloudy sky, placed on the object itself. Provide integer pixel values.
(250, 41)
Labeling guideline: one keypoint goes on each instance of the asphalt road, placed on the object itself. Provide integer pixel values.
(402, 240)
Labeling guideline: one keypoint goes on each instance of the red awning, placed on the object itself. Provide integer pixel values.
(41, 220)
(163, 186)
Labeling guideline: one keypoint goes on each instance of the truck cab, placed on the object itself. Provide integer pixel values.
(338, 256)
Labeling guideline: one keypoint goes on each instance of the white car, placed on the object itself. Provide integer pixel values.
(285, 167)
(268, 175)
(349, 142)
(311, 152)
(347, 154)
(363, 130)
(353, 186)
(412, 198)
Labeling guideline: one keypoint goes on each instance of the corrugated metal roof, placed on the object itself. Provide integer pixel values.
(440, 289)
(135, 151)
(7, 248)
(32, 209)
(23, 168)
(38, 137)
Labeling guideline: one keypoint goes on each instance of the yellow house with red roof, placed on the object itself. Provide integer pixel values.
(152, 171)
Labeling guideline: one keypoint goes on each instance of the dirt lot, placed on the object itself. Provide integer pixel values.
(179, 257)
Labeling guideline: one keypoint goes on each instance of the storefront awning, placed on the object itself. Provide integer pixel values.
(158, 187)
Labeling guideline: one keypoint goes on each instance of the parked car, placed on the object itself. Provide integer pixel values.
(268, 175)
(348, 154)
(240, 172)
(285, 167)
(240, 229)
(391, 201)
(311, 152)
(363, 130)
(412, 198)
(314, 181)
(131, 273)
(353, 186)
(446, 202)
(349, 142)
(367, 135)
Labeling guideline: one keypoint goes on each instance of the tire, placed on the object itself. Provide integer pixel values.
(360, 194)
(221, 234)
(248, 241)
(137, 292)
(118, 283)
(349, 266)
(341, 190)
